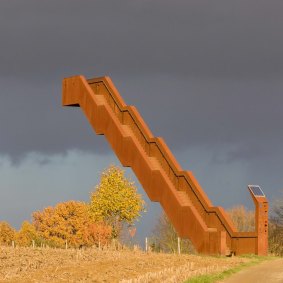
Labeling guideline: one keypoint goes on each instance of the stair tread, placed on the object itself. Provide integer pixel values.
(154, 162)
(183, 197)
(100, 98)
(127, 130)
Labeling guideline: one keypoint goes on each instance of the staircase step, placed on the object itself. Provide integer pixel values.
(100, 98)
(127, 130)
(154, 163)
(212, 229)
(184, 199)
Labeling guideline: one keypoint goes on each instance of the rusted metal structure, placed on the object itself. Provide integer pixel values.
(261, 219)
(184, 201)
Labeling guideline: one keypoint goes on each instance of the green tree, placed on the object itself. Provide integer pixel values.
(115, 200)
(7, 233)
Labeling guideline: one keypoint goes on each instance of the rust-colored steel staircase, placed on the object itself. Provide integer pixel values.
(185, 203)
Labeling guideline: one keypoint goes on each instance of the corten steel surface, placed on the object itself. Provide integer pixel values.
(185, 203)
(261, 221)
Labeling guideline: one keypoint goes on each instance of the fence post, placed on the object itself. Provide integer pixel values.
(146, 244)
(179, 246)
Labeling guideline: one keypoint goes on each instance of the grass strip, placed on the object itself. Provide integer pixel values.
(215, 277)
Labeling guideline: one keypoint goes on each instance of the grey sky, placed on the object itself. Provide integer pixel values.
(205, 75)
(195, 38)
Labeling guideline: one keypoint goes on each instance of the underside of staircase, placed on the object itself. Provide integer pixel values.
(184, 201)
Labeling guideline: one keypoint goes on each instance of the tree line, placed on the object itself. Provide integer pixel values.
(113, 204)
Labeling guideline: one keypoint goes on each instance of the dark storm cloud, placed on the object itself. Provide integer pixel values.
(242, 115)
(201, 72)
(32, 119)
(211, 38)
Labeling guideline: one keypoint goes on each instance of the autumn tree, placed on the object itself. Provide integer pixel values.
(165, 238)
(97, 233)
(243, 219)
(69, 221)
(27, 234)
(277, 210)
(115, 200)
(7, 233)
(276, 228)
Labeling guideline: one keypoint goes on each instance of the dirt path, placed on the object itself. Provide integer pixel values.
(266, 272)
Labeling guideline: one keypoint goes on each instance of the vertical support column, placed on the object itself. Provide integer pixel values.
(262, 227)
(261, 219)
(223, 243)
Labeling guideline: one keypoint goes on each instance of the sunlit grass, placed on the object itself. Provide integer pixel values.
(210, 278)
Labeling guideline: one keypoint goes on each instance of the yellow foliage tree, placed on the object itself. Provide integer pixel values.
(66, 222)
(7, 233)
(27, 234)
(116, 200)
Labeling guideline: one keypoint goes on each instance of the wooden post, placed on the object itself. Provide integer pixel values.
(66, 244)
(179, 245)
(146, 244)
(33, 244)
(13, 244)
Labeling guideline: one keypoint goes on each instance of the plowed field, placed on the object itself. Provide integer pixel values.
(93, 265)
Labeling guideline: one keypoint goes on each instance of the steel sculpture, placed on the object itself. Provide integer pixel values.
(184, 201)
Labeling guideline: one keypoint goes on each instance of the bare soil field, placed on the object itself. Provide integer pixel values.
(93, 265)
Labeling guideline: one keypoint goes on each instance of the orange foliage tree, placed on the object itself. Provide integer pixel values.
(69, 222)
(27, 234)
(7, 233)
(97, 233)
